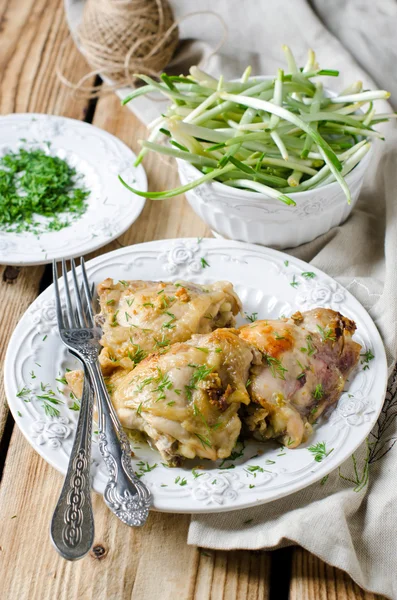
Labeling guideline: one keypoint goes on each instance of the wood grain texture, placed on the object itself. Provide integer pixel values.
(31, 35)
(18, 288)
(138, 564)
(155, 562)
(313, 579)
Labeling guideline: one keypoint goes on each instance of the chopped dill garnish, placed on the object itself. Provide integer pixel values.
(252, 317)
(114, 322)
(33, 183)
(310, 349)
(200, 373)
(144, 383)
(138, 355)
(326, 334)
(276, 367)
(197, 413)
(163, 383)
(23, 392)
(195, 474)
(318, 392)
(144, 467)
(204, 263)
(204, 441)
(255, 468)
(166, 300)
(169, 324)
(366, 357)
(49, 402)
(278, 336)
(319, 451)
(162, 343)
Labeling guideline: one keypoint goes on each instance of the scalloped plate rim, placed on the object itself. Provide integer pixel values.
(130, 216)
(170, 504)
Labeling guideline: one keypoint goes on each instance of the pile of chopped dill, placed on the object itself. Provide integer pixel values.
(34, 183)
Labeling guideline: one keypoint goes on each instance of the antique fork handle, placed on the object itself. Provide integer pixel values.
(125, 494)
(72, 525)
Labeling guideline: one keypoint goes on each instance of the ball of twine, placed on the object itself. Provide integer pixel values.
(120, 38)
(123, 37)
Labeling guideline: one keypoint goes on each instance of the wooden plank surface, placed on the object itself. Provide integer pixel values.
(312, 578)
(154, 562)
(32, 32)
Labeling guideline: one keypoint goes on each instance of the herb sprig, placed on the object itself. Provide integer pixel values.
(319, 451)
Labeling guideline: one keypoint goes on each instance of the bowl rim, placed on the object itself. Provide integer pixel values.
(226, 190)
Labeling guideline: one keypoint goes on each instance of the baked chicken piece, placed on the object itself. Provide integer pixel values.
(186, 401)
(306, 360)
(140, 317)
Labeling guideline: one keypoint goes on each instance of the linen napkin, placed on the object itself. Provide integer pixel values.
(349, 521)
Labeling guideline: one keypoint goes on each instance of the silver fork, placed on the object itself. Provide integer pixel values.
(125, 494)
(72, 524)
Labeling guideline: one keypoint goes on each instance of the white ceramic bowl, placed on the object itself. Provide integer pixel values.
(252, 217)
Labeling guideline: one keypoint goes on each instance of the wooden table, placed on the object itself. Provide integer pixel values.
(155, 562)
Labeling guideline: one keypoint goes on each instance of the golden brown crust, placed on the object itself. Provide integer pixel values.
(274, 345)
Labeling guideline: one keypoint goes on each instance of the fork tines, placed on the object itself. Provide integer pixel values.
(82, 315)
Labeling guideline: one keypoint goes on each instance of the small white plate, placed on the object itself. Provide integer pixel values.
(99, 157)
(262, 278)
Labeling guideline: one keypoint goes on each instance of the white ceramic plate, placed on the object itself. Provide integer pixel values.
(262, 278)
(99, 157)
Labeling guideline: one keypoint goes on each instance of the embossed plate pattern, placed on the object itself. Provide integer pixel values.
(262, 278)
(99, 157)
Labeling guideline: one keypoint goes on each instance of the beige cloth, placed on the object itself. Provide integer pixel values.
(353, 530)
